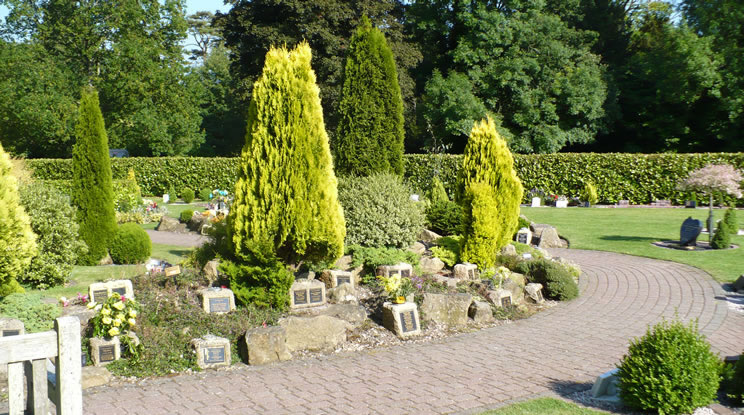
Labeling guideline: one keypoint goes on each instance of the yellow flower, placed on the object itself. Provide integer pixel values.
(114, 294)
(113, 332)
(132, 313)
(117, 322)
(92, 304)
(120, 316)
(132, 322)
(106, 320)
(106, 311)
(118, 305)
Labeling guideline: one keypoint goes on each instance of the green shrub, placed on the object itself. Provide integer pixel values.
(371, 257)
(204, 194)
(722, 237)
(445, 217)
(185, 216)
(437, 192)
(36, 315)
(127, 194)
(671, 370)
(554, 277)
(735, 385)
(730, 220)
(53, 221)
(187, 195)
(379, 211)
(131, 245)
(172, 195)
(448, 249)
(589, 193)
(481, 231)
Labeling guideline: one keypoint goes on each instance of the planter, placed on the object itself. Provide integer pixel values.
(691, 204)
(561, 203)
(166, 198)
(536, 201)
(585, 204)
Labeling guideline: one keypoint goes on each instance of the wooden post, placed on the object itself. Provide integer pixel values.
(36, 386)
(69, 372)
(15, 388)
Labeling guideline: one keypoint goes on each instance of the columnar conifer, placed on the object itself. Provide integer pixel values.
(370, 132)
(286, 207)
(488, 177)
(17, 240)
(92, 191)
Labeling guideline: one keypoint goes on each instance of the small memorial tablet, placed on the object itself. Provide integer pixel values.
(100, 295)
(522, 238)
(171, 271)
(120, 290)
(212, 351)
(214, 355)
(407, 321)
(506, 302)
(405, 273)
(343, 279)
(219, 305)
(106, 354)
(7, 333)
(306, 293)
(300, 297)
(316, 295)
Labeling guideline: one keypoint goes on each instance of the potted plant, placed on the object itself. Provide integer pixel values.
(536, 196)
(561, 201)
(589, 194)
(691, 202)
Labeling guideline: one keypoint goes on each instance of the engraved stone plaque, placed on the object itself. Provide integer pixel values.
(214, 355)
(506, 302)
(106, 353)
(343, 279)
(522, 238)
(316, 295)
(120, 290)
(219, 305)
(7, 333)
(99, 295)
(405, 273)
(300, 297)
(471, 274)
(407, 321)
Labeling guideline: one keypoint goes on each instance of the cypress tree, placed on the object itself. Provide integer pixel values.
(17, 240)
(286, 208)
(369, 138)
(488, 162)
(729, 218)
(92, 191)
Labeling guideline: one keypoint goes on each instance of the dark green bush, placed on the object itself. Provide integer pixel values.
(131, 245)
(187, 195)
(730, 220)
(554, 277)
(371, 258)
(448, 249)
(437, 192)
(185, 216)
(445, 217)
(671, 370)
(722, 237)
(735, 385)
(35, 314)
(204, 195)
(379, 211)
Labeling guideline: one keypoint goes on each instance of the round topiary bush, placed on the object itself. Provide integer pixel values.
(445, 217)
(735, 386)
(379, 211)
(187, 195)
(131, 245)
(555, 278)
(671, 370)
(186, 215)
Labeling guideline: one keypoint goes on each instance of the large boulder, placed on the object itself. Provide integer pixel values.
(509, 250)
(431, 265)
(426, 236)
(168, 224)
(354, 315)
(545, 236)
(93, 376)
(481, 313)
(197, 222)
(343, 263)
(448, 309)
(317, 333)
(343, 294)
(211, 271)
(516, 290)
(266, 345)
(417, 248)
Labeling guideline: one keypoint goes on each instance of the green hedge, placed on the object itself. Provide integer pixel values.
(639, 178)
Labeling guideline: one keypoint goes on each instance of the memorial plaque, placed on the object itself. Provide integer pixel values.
(214, 355)
(106, 353)
(120, 290)
(171, 271)
(506, 302)
(690, 231)
(522, 238)
(405, 273)
(7, 333)
(407, 321)
(99, 295)
(471, 274)
(219, 305)
(343, 279)
(300, 297)
(316, 295)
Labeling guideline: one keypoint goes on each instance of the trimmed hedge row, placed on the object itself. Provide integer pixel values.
(639, 178)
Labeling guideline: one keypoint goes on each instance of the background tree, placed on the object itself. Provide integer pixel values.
(286, 208)
(370, 132)
(17, 240)
(92, 192)
(203, 32)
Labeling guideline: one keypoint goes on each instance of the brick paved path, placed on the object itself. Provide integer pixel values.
(562, 348)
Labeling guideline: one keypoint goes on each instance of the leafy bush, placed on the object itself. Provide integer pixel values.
(554, 277)
(437, 192)
(589, 194)
(185, 216)
(172, 195)
(371, 258)
(35, 314)
(671, 370)
(53, 221)
(187, 195)
(482, 233)
(204, 195)
(735, 385)
(448, 249)
(131, 245)
(379, 211)
(722, 237)
(127, 194)
(730, 220)
(444, 217)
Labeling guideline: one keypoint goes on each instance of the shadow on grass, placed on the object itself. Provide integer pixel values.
(626, 238)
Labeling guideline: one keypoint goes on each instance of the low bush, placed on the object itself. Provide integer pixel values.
(671, 370)
(444, 217)
(557, 281)
(729, 218)
(127, 194)
(589, 193)
(35, 314)
(371, 258)
(172, 195)
(185, 216)
(187, 195)
(437, 192)
(735, 384)
(379, 211)
(722, 237)
(448, 249)
(131, 245)
(204, 195)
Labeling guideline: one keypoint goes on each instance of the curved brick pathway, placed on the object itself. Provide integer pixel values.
(559, 350)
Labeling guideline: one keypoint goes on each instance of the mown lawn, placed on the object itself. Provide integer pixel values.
(632, 230)
(544, 406)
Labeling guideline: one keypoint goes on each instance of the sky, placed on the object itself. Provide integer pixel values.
(192, 6)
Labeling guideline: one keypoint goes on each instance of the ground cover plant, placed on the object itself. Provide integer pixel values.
(632, 230)
(543, 406)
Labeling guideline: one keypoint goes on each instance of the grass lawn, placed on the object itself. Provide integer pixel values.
(632, 230)
(546, 406)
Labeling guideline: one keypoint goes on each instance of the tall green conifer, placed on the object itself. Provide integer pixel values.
(370, 132)
(17, 240)
(92, 191)
(490, 192)
(286, 208)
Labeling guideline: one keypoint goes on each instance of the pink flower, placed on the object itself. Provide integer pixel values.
(123, 299)
(713, 178)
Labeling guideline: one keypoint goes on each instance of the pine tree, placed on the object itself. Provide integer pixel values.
(286, 208)
(369, 138)
(17, 240)
(92, 191)
(482, 228)
(488, 162)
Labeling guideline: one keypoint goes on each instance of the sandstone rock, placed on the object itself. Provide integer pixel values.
(518, 278)
(211, 271)
(509, 250)
(447, 309)
(417, 248)
(343, 294)
(448, 281)
(314, 333)
(534, 292)
(516, 290)
(95, 376)
(480, 312)
(353, 314)
(106, 260)
(168, 224)
(431, 265)
(266, 345)
(427, 236)
(466, 271)
(197, 222)
(343, 263)
(545, 236)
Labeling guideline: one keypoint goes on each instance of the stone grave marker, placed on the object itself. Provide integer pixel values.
(524, 236)
(405, 270)
(623, 203)
(501, 298)
(401, 319)
(605, 387)
(307, 293)
(212, 351)
(172, 271)
(690, 231)
(339, 277)
(536, 201)
(534, 292)
(98, 292)
(104, 351)
(11, 327)
(466, 271)
(121, 287)
(217, 300)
